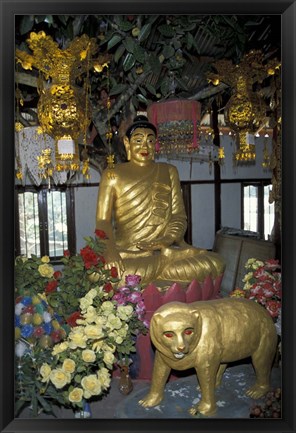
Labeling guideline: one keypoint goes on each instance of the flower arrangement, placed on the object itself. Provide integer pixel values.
(82, 364)
(263, 285)
(72, 327)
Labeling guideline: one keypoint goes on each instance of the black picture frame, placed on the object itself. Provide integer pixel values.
(9, 9)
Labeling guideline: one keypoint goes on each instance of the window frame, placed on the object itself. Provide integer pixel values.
(260, 202)
(42, 192)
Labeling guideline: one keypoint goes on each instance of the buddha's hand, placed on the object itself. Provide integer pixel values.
(156, 244)
(113, 259)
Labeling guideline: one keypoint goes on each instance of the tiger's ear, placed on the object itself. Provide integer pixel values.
(195, 313)
(156, 318)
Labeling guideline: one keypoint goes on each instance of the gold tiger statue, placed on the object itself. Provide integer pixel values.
(206, 335)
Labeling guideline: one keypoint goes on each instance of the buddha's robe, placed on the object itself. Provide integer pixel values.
(148, 207)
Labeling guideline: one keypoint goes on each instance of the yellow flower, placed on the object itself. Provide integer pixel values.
(45, 371)
(88, 355)
(113, 322)
(68, 365)
(91, 294)
(91, 385)
(118, 339)
(237, 293)
(90, 314)
(59, 348)
(46, 270)
(60, 377)
(45, 259)
(76, 395)
(37, 319)
(104, 377)
(77, 338)
(85, 303)
(107, 307)
(108, 358)
(135, 32)
(123, 331)
(247, 277)
(93, 331)
(97, 346)
(247, 286)
(125, 312)
(109, 346)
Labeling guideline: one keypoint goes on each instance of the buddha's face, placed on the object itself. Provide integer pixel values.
(141, 146)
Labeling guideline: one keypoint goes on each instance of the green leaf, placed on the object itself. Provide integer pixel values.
(116, 38)
(119, 88)
(143, 91)
(129, 44)
(150, 88)
(168, 51)
(128, 62)
(125, 26)
(19, 404)
(118, 53)
(46, 406)
(165, 86)
(26, 24)
(166, 30)
(189, 41)
(154, 64)
(139, 53)
(145, 32)
(142, 98)
(181, 84)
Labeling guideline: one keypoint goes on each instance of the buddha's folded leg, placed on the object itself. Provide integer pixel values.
(147, 267)
(194, 265)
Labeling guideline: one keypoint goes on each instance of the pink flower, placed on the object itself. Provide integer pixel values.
(134, 297)
(119, 298)
(132, 280)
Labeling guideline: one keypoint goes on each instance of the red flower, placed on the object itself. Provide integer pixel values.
(29, 309)
(273, 307)
(101, 234)
(66, 253)
(71, 320)
(108, 287)
(56, 336)
(272, 264)
(89, 257)
(113, 272)
(38, 331)
(101, 259)
(51, 286)
(57, 275)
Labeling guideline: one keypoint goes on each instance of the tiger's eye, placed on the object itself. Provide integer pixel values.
(168, 334)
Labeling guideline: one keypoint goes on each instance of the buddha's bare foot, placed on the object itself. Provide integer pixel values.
(203, 408)
(150, 400)
(257, 391)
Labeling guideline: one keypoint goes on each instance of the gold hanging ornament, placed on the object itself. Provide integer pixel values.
(64, 110)
(245, 111)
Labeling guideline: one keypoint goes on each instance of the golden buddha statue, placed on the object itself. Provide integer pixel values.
(140, 208)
